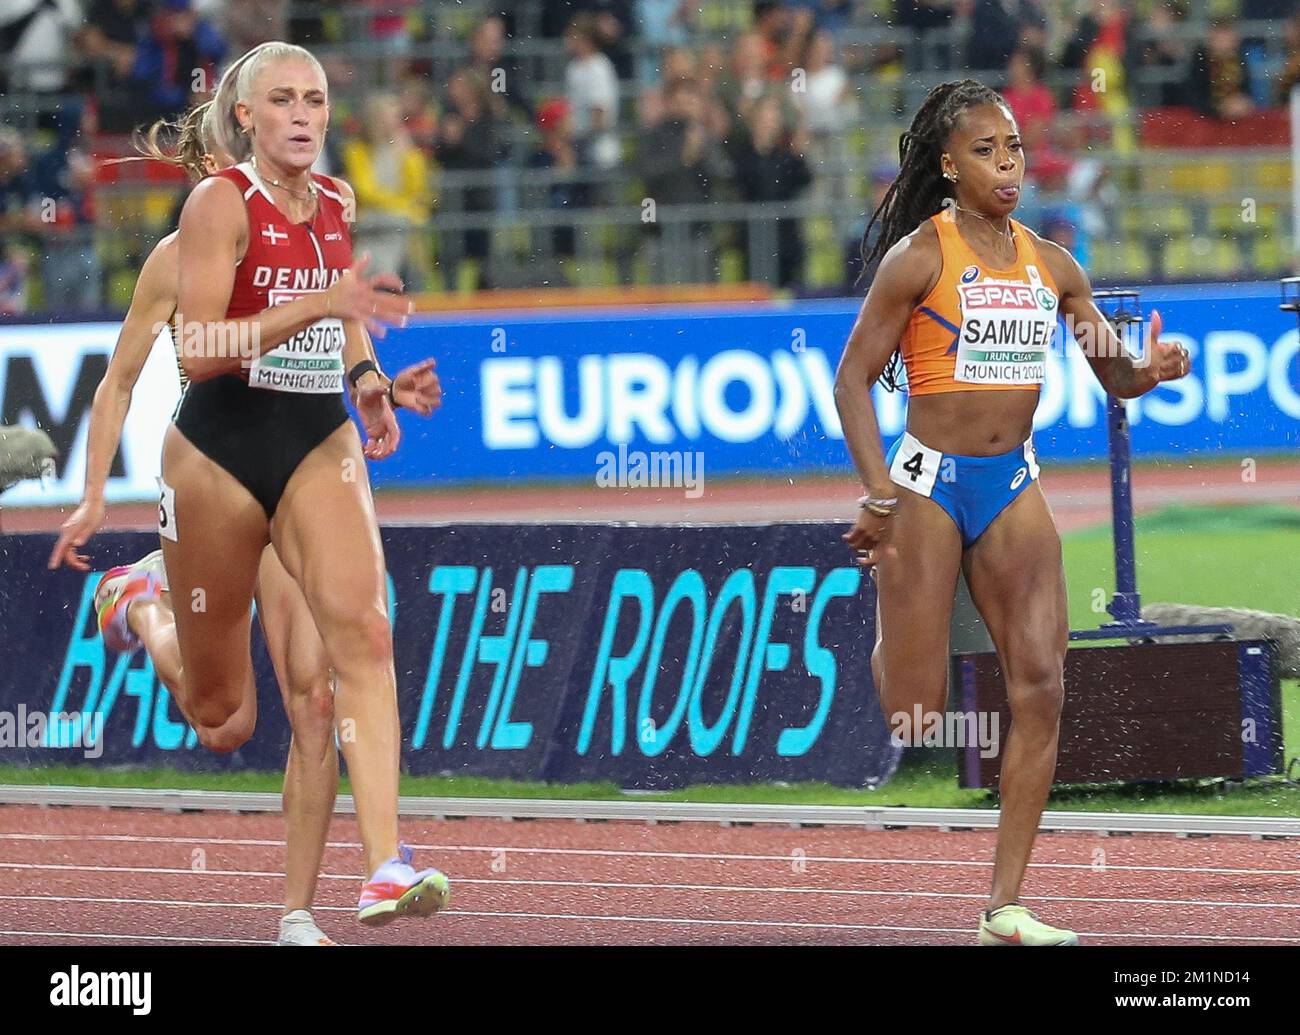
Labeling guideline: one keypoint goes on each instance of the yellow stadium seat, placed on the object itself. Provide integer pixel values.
(1190, 256)
(1267, 218)
(1156, 176)
(1273, 173)
(1271, 254)
(1166, 220)
(1195, 176)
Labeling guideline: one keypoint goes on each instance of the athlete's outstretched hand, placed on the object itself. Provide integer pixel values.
(1168, 359)
(81, 524)
(382, 432)
(866, 537)
(417, 388)
(376, 301)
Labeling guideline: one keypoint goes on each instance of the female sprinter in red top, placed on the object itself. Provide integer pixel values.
(261, 451)
(297, 654)
(968, 298)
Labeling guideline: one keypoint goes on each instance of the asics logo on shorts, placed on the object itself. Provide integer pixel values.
(1020, 477)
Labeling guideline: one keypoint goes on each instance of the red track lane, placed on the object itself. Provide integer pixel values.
(138, 876)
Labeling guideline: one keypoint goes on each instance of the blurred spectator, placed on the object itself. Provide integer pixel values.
(390, 29)
(1217, 84)
(611, 22)
(18, 192)
(824, 106)
(1099, 50)
(769, 167)
(682, 163)
(178, 46)
(246, 23)
(418, 113)
(711, 67)
(64, 180)
(1030, 101)
(1058, 225)
(1289, 77)
(676, 63)
(592, 89)
(856, 278)
(747, 80)
(997, 28)
(823, 103)
(488, 58)
(1165, 52)
(1260, 10)
(34, 38)
(470, 139)
(113, 32)
(780, 33)
(390, 177)
(829, 15)
(14, 267)
(662, 24)
(556, 153)
(922, 14)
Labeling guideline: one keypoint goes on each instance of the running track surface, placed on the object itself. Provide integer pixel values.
(120, 877)
(101, 876)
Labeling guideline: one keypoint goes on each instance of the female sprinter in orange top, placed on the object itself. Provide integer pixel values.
(969, 299)
(297, 654)
(262, 450)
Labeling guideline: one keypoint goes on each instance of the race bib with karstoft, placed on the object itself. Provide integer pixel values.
(310, 362)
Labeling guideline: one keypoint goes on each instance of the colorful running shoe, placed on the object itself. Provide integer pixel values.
(398, 889)
(116, 591)
(1013, 924)
(298, 928)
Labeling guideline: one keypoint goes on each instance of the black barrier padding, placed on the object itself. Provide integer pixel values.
(727, 703)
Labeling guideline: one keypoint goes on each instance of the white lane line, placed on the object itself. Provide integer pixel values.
(634, 854)
(141, 939)
(724, 889)
(661, 920)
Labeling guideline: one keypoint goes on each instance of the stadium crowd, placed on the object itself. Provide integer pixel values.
(451, 124)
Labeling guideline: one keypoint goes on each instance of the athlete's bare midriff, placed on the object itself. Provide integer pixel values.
(973, 423)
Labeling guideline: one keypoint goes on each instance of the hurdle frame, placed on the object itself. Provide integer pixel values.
(1121, 308)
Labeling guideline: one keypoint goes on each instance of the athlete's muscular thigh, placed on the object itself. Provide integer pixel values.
(217, 532)
(1017, 582)
(292, 639)
(916, 578)
(326, 535)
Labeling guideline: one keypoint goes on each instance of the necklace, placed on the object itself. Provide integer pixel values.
(309, 193)
(1007, 235)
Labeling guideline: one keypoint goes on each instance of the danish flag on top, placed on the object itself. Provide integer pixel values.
(273, 236)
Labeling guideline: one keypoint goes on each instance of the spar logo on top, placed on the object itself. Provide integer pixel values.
(1006, 328)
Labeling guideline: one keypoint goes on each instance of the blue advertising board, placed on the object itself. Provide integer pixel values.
(749, 389)
(730, 390)
(650, 656)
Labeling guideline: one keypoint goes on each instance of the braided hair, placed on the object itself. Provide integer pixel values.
(920, 190)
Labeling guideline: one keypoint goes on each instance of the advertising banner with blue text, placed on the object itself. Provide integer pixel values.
(737, 390)
(651, 656)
